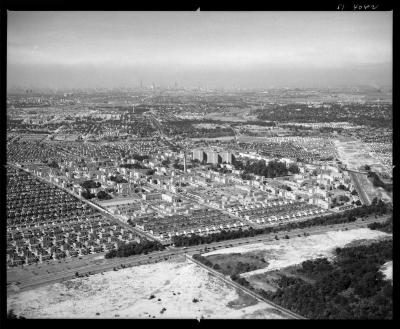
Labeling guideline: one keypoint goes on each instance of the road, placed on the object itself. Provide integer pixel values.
(102, 265)
(363, 195)
(157, 125)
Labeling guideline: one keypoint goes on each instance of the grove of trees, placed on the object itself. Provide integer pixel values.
(131, 166)
(384, 227)
(350, 287)
(90, 184)
(273, 169)
(102, 195)
(135, 248)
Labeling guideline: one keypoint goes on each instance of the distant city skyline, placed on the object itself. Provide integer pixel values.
(214, 49)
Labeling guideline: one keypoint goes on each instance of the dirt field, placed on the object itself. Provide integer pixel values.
(206, 125)
(387, 270)
(232, 115)
(355, 154)
(126, 294)
(222, 138)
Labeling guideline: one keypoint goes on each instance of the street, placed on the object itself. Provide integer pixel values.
(98, 266)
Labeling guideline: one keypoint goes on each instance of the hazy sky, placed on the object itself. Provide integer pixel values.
(225, 49)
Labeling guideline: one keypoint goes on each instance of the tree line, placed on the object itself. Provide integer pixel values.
(387, 226)
(90, 184)
(273, 169)
(132, 166)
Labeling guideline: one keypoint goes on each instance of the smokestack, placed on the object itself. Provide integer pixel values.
(184, 162)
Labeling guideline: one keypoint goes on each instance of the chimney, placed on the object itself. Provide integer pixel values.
(184, 162)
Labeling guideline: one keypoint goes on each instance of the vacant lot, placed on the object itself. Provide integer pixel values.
(161, 290)
(387, 270)
(355, 154)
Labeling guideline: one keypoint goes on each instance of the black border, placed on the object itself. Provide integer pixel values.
(134, 5)
(205, 5)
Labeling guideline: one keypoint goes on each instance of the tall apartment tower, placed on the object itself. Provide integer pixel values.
(212, 157)
(199, 155)
(226, 157)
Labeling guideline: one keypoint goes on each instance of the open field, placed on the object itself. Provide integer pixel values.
(387, 270)
(126, 294)
(206, 125)
(222, 138)
(288, 252)
(355, 154)
(239, 115)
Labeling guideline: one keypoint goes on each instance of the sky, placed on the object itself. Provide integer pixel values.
(213, 49)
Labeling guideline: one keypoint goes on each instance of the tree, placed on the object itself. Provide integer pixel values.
(11, 315)
(90, 184)
(103, 196)
(87, 195)
(294, 169)
(245, 176)
(53, 164)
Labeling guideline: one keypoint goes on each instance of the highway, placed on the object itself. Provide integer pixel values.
(363, 195)
(103, 265)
